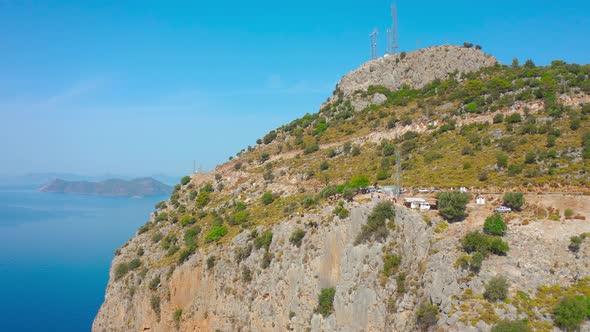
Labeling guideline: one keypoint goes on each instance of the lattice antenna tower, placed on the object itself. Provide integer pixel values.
(373, 37)
(394, 36)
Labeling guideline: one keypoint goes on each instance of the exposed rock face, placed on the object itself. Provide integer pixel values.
(284, 295)
(416, 69)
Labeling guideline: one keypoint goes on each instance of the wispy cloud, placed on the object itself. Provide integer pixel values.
(74, 91)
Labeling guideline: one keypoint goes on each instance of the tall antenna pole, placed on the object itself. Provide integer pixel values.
(373, 37)
(394, 45)
(397, 174)
(389, 42)
(194, 166)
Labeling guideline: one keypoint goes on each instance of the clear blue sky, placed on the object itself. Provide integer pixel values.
(144, 87)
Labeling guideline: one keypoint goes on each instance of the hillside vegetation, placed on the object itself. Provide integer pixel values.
(284, 218)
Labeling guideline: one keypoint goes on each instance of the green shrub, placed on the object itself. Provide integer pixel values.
(202, 199)
(330, 191)
(376, 227)
(120, 270)
(241, 253)
(530, 158)
(268, 138)
(512, 326)
(496, 289)
(297, 237)
(156, 237)
(185, 253)
(187, 220)
(263, 240)
(451, 205)
(215, 234)
(427, 315)
(264, 157)
(176, 317)
(568, 213)
(348, 194)
(391, 264)
(514, 200)
(268, 198)
(190, 236)
(134, 264)
(311, 149)
(308, 202)
(172, 250)
(326, 301)
(324, 166)
(185, 180)
(358, 181)
(497, 246)
(575, 243)
(501, 160)
(246, 274)
(478, 242)
(495, 225)
(476, 261)
(154, 283)
(155, 304)
(571, 312)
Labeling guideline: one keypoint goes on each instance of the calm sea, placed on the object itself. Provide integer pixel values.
(55, 253)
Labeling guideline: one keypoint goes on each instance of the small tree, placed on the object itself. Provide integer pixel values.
(495, 225)
(185, 180)
(571, 312)
(427, 315)
(267, 198)
(202, 199)
(451, 205)
(514, 200)
(496, 289)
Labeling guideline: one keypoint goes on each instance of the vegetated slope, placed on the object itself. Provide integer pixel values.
(112, 187)
(276, 239)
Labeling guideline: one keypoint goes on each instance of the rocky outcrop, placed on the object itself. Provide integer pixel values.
(415, 69)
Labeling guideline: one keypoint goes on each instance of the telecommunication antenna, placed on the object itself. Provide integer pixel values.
(397, 174)
(394, 45)
(389, 41)
(373, 37)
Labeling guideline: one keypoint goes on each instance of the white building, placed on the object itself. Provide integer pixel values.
(480, 200)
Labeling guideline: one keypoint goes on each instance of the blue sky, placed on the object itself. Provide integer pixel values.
(145, 87)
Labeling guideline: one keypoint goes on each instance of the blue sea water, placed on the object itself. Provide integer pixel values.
(55, 254)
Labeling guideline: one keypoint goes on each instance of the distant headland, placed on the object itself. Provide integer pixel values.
(112, 187)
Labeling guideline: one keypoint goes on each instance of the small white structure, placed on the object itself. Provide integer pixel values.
(424, 206)
(463, 189)
(480, 200)
(415, 202)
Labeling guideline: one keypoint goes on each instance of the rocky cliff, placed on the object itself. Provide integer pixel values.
(278, 239)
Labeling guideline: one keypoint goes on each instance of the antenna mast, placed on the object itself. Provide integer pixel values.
(373, 37)
(394, 45)
(397, 174)
(389, 41)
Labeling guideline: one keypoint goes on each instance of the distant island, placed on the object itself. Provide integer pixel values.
(112, 187)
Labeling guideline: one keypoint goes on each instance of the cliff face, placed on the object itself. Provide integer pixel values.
(284, 295)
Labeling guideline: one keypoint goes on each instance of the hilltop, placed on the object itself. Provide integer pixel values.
(111, 187)
(279, 238)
